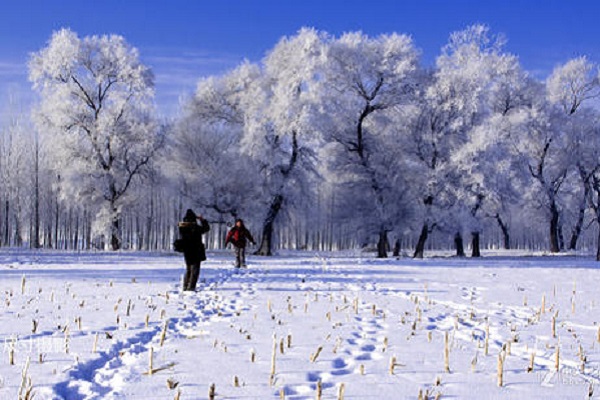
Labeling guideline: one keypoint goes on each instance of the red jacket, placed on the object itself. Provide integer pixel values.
(238, 236)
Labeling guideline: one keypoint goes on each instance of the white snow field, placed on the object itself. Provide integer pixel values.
(299, 325)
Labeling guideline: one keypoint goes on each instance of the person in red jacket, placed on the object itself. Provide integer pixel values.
(238, 236)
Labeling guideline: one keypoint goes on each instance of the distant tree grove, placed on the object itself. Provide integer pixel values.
(328, 143)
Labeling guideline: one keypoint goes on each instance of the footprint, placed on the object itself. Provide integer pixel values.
(339, 363)
(368, 348)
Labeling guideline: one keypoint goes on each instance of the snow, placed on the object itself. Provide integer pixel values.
(345, 315)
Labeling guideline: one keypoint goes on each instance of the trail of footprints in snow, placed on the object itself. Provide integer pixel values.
(207, 305)
(362, 347)
(122, 360)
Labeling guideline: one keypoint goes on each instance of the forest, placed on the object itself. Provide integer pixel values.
(328, 143)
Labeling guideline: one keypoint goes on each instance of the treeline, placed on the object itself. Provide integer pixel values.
(328, 143)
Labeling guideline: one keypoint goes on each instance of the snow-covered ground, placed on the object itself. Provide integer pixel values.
(89, 324)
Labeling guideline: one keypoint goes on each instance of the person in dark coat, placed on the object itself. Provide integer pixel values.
(239, 236)
(193, 248)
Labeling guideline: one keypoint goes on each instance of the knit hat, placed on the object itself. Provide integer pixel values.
(190, 216)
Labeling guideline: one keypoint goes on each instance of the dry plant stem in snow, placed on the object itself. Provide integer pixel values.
(392, 365)
(313, 357)
(211, 392)
(273, 356)
(163, 334)
(500, 370)
(543, 307)
(446, 352)
(67, 339)
(150, 361)
(172, 383)
(11, 352)
(557, 357)
(95, 346)
(531, 362)
(487, 339)
(26, 387)
(341, 390)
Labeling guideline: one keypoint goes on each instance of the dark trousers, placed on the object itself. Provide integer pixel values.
(240, 256)
(192, 272)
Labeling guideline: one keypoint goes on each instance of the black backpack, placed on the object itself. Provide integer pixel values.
(178, 245)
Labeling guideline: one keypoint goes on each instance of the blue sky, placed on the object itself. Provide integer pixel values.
(184, 40)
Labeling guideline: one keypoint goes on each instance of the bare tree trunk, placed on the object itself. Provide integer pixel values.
(583, 203)
(505, 232)
(277, 202)
(554, 230)
(115, 223)
(267, 236)
(149, 221)
(382, 245)
(56, 222)
(475, 250)
(397, 248)
(458, 243)
(88, 230)
(115, 240)
(598, 245)
(36, 216)
(576, 231)
(6, 239)
(420, 248)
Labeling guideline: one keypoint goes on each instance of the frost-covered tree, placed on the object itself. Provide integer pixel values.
(452, 101)
(591, 161)
(485, 83)
(570, 87)
(206, 162)
(15, 172)
(250, 136)
(279, 130)
(96, 103)
(550, 147)
(541, 147)
(366, 83)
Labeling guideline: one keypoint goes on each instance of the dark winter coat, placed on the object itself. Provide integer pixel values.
(191, 234)
(239, 236)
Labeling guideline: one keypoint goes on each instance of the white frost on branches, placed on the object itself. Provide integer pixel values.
(96, 110)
